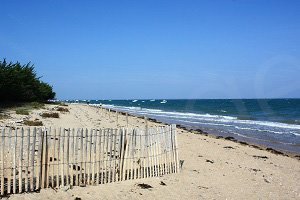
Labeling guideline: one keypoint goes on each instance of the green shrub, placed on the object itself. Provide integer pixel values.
(50, 115)
(22, 111)
(36, 105)
(20, 83)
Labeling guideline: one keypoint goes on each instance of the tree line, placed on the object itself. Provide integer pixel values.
(20, 83)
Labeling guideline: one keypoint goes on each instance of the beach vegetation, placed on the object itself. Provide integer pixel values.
(33, 123)
(61, 109)
(25, 108)
(20, 83)
(50, 115)
(3, 116)
(63, 104)
(22, 111)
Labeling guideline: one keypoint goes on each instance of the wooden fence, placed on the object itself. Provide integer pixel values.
(37, 158)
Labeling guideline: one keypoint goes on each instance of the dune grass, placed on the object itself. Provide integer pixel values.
(33, 123)
(25, 108)
(22, 111)
(50, 115)
(61, 109)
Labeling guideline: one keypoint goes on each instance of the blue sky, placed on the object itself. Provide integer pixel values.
(157, 49)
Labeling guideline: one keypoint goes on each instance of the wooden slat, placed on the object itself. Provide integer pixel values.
(44, 172)
(165, 134)
(68, 157)
(62, 168)
(125, 150)
(54, 158)
(132, 164)
(111, 156)
(176, 149)
(118, 154)
(139, 135)
(32, 160)
(72, 157)
(147, 153)
(103, 158)
(173, 129)
(121, 146)
(115, 131)
(163, 150)
(39, 159)
(10, 161)
(85, 156)
(98, 149)
(2, 160)
(159, 152)
(90, 156)
(21, 161)
(99, 158)
(154, 144)
(58, 158)
(107, 157)
(169, 148)
(49, 144)
(81, 158)
(15, 162)
(154, 152)
(94, 155)
(126, 155)
(76, 157)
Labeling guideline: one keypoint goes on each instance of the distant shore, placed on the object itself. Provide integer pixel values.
(213, 167)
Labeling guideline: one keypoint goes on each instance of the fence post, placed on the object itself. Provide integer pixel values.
(146, 124)
(41, 157)
(176, 148)
(117, 117)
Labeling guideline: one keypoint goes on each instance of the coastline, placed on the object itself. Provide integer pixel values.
(256, 123)
(213, 168)
(216, 136)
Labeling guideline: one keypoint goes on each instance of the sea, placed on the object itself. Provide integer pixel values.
(273, 123)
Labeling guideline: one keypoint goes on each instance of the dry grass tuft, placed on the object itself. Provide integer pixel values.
(61, 109)
(33, 123)
(50, 115)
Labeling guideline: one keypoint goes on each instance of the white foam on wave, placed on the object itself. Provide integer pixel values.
(206, 117)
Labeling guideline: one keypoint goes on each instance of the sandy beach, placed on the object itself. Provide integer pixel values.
(213, 168)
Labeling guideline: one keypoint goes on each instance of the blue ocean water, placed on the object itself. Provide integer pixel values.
(273, 123)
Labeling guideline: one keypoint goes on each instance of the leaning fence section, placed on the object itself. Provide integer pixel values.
(37, 158)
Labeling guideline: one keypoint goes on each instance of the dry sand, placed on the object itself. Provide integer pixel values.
(213, 168)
